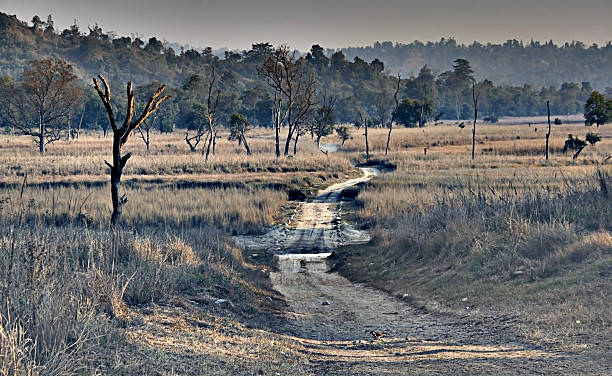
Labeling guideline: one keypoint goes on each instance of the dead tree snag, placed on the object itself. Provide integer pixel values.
(121, 135)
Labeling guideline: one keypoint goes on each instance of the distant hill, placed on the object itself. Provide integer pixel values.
(511, 63)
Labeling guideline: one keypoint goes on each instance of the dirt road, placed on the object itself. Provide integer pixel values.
(332, 319)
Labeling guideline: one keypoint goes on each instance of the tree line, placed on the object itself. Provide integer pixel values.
(449, 96)
(354, 85)
(511, 63)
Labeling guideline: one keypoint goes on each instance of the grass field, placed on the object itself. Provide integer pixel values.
(507, 234)
(509, 231)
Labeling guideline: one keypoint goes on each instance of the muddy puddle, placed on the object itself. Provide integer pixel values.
(314, 230)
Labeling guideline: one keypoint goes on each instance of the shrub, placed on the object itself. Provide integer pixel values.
(491, 119)
(573, 143)
(593, 138)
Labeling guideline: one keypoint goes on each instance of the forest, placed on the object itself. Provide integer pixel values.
(355, 86)
(512, 63)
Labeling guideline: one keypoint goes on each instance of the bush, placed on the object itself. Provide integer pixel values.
(573, 143)
(593, 138)
(491, 119)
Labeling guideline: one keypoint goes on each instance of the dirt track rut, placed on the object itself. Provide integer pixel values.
(333, 318)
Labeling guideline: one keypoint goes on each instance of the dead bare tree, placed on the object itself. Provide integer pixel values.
(382, 104)
(548, 133)
(145, 131)
(212, 102)
(73, 133)
(77, 132)
(39, 104)
(364, 121)
(394, 114)
(239, 125)
(194, 140)
(277, 124)
(206, 130)
(323, 123)
(475, 100)
(121, 135)
(294, 91)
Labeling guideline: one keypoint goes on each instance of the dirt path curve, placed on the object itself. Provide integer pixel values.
(332, 318)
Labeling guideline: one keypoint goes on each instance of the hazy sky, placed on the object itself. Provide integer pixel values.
(331, 23)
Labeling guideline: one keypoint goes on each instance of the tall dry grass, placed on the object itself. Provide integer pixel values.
(444, 226)
(66, 289)
(534, 246)
(169, 156)
(230, 210)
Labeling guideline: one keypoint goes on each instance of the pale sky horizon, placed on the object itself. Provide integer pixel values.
(331, 23)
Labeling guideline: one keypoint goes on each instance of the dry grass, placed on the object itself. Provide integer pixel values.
(66, 290)
(72, 285)
(231, 210)
(169, 156)
(512, 233)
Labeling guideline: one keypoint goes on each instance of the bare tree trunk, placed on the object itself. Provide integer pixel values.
(388, 138)
(399, 78)
(288, 141)
(548, 133)
(41, 136)
(277, 141)
(457, 105)
(578, 152)
(474, 138)
(205, 145)
(364, 121)
(246, 145)
(367, 145)
(475, 99)
(121, 134)
(297, 136)
(78, 132)
(214, 146)
(116, 171)
(277, 118)
(69, 126)
(421, 116)
(208, 147)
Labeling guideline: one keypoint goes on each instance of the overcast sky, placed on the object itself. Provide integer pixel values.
(331, 23)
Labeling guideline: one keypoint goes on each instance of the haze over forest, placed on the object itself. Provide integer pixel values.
(336, 24)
